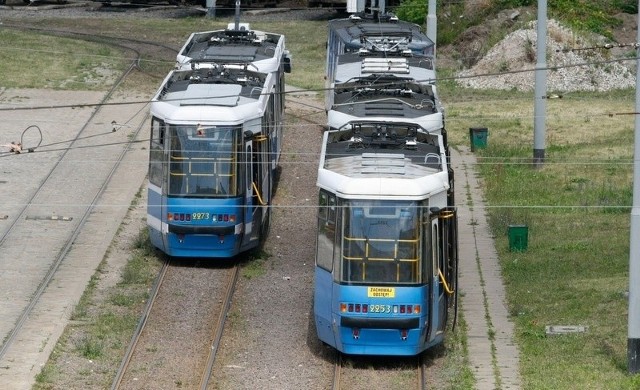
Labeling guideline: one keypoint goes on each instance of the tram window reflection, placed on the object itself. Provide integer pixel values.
(381, 243)
(202, 161)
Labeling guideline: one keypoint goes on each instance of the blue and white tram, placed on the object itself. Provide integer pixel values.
(215, 141)
(386, 258)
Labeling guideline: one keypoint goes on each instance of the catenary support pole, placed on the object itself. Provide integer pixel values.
(211, 8)
(633, 342)
(540, 107)
(432, 24)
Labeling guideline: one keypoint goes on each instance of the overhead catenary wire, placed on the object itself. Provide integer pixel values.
(355, 86)
(325, 89)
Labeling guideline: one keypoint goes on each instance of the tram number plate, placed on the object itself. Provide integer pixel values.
(200, 216)
(381, 292)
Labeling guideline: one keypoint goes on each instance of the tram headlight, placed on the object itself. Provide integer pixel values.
(178, 217)
(224, 218)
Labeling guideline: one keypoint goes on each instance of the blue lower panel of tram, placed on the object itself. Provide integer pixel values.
(353, 321)
(191, 227)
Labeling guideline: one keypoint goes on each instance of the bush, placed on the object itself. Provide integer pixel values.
(413, 11)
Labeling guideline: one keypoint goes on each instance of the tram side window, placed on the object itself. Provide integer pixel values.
(326, 230)
(177, 168)
(335, 47)
(156, 151)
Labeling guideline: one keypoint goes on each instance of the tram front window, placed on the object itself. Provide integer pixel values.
(381, 242)
(203, 161)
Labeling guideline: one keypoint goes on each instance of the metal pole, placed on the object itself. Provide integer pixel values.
(237, 17)
(211, 8)
(540, 107)
(432, 24)
(633, 342)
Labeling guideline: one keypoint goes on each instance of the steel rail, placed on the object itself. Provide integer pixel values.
(421, 374)
(337, 368)
(141, 324)
(219, 328)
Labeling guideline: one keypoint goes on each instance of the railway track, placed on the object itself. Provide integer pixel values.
(67, 203)
(354, 373)
(195, 332)
(57, 199)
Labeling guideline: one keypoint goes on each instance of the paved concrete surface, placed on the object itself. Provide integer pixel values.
(34, 342)
(493, 354)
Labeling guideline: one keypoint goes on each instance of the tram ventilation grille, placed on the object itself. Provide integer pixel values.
(393, 163)
(385, 65)
(384, 109)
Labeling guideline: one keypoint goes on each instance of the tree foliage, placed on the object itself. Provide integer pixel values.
(585, 15)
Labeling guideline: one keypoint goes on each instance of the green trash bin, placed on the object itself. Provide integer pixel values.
(478, 137)
(518, 238)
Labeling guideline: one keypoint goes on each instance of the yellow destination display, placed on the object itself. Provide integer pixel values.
(381, 292)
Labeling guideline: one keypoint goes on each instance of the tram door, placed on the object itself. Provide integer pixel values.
(450, 269)
(328, 248)
(438, 304)
(447, 264)
(158, 181)
(260, 185)
(249, 210)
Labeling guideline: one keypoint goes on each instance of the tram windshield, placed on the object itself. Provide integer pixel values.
(203, 161)
(381, 242)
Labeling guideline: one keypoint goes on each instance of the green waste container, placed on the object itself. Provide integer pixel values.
(478, 137)
(518, 238)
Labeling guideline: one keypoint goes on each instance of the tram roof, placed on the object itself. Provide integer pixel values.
(386, 97)
(351, 31)
(355, 65)
(229, 95)
(233, 46)
(383, 159)
(431, 122)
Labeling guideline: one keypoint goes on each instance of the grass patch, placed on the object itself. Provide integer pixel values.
(455, 372)
(57, 63)
(254, 267)
(305, 41)
(577, 208)
(47, 375)
(81, 309)
(90, 347)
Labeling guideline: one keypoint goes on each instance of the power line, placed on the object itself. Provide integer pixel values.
(325, 90)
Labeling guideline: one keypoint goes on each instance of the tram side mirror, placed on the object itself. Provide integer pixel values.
(434, 212)
(248, 135)
(286, 60)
